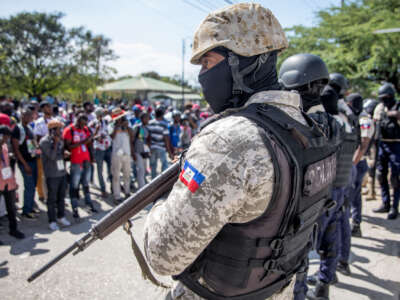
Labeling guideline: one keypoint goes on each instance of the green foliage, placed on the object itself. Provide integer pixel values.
(39, 55)
(344, 38)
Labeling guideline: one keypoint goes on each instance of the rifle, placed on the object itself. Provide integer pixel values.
(121, 214)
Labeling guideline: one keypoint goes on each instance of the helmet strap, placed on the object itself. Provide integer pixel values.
(238, 83)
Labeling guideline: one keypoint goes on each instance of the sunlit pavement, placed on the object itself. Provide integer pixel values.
(108, 270)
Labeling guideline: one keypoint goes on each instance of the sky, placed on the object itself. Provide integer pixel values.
(147, 35)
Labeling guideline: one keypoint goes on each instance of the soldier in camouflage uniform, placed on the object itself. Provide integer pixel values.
(231, 174)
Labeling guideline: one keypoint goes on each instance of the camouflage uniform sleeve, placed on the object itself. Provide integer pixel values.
(238, 179)
(367, 127)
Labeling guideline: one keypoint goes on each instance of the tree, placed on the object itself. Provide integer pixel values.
(344, 38)
(39, 55)
(91, 54)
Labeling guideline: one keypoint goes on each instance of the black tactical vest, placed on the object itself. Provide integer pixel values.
(390, 128)
(257, 259)
(345, 156)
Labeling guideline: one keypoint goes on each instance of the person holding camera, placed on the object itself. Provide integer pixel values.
(78, 140)
(141, 142)
(122, 152)
(52, 147)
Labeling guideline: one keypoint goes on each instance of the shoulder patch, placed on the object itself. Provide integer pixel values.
(365, 123)
(191, 177)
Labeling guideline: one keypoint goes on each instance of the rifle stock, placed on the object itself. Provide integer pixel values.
(160, 185)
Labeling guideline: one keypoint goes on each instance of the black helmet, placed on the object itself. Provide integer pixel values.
(356, 103)
(301, 69)
(369, 105)
(338, 80)
(386, 90)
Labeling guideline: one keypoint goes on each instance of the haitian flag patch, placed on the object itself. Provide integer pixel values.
(365, 126)
(191, 177)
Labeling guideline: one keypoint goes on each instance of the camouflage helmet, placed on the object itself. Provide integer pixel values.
(247, 29)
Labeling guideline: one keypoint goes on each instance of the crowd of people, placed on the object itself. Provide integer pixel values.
(55, 148)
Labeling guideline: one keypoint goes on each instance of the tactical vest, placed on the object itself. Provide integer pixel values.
(345, 157)
(390, 128)
(257, 259)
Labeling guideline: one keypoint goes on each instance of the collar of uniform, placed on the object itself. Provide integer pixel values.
(316, 108)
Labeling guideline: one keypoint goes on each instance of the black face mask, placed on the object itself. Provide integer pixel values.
(356, 110)
(329, 99)
(388, 101)
(217, 86)
(309, 100)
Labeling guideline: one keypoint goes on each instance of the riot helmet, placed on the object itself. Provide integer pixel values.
(386, 94)
(386, 90)
(339, 82)
(355, 102)
(306, 73)
(248, 36)
(370, 105)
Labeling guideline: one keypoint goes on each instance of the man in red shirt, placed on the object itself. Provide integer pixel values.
(78, 139)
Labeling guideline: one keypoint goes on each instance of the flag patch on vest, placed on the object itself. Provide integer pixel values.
(191, 177)
(365, 126)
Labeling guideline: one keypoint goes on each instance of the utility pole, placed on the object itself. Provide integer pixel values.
(183, 71)
(342, 3)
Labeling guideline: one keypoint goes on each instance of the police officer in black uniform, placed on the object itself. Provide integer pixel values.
(308, 74)
(389, 149)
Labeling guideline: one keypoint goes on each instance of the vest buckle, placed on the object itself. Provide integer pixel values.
(277, 247)
(270, 265)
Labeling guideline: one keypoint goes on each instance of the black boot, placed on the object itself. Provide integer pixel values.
(312, 279)
(393, 213)
(321, 292)
(384, 208)
(344, 268)
(355, 230)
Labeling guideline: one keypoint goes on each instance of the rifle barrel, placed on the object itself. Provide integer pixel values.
(57, 258)
(160, 185)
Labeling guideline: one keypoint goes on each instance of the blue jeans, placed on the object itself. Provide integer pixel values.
(355, 191)
(80, 174)
(102, 156)
(343, 221)
(389, 156)
(29, 185)
(158, 154)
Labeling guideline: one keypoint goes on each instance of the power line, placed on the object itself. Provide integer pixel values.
(195, 6)
(204, 5)
(172, 21)
(210, 4)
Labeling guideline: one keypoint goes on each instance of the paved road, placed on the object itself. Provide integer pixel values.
(107, 269)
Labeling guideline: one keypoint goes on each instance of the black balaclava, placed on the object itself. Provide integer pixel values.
(218, 83)
(387, 100)
(337, 89)
(309, 100)
(329, 99)
(356, 103)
